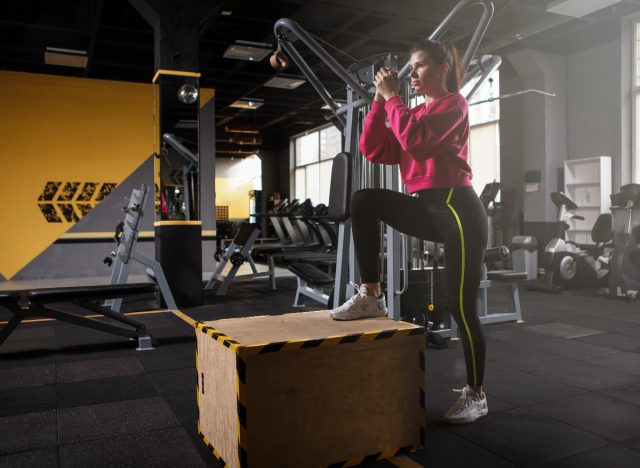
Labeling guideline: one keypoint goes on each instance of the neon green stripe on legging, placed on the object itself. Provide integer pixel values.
(464, 320)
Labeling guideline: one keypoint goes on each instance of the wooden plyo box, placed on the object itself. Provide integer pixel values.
(301, 390)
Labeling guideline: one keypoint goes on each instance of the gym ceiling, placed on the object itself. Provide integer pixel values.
(119, 45)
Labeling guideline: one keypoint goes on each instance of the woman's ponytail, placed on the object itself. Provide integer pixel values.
(454, 77)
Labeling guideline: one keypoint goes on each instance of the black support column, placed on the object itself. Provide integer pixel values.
(178, 227)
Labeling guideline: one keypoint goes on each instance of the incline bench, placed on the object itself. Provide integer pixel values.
(46, 303)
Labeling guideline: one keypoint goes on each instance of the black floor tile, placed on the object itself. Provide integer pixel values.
(602, 322)
(613, 340)
(27, 400)
(183, 406)
(445, 449)
(67, 335)
(95, 352)
(526, 438)
(175, 381)
(41, 458)
(608, 456)
(521, 388)
(205, 453)
(35, 358)
(114, 419)
(31, 376)
(25, 346)
(624, 361)
(98, 369)
(585, 375)
(629, 393)
(92, 392)
(562, 330)
(597, 414)
(162, 448)
(182, 356)
(31, 331)
(28, 432)
(634, 444)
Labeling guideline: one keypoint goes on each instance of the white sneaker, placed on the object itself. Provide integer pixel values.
(468, 408)
(360, 306)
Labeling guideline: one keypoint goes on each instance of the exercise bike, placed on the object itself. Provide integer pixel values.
(571, 265)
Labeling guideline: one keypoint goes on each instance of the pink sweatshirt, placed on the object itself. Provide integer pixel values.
(429, 142)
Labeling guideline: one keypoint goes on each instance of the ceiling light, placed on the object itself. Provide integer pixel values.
(229, 129)
(226, 13)
(284, 82)
(247, 103)
(65, 57)
(245, 50)
(578, 8)
(252, 140)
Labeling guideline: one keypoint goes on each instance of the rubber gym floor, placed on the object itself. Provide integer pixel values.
(563, 388)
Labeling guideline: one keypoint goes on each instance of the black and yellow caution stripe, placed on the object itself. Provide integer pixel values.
(213, 450)
(242, 352)
(263, 348)
(374, 457)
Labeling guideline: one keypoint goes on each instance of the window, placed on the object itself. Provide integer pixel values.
(635, 90)
(484, 137)
(313, 155)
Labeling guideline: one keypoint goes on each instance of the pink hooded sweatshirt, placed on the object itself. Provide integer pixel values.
(429, 142)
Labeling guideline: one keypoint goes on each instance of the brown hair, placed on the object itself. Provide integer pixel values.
(440, 52)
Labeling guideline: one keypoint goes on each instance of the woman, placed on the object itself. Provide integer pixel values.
(430, 143)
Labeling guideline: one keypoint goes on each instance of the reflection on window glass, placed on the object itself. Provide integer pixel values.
(325, 181)
(330, 142)
(307, 149)
(301, 186)
(637, 136)
(637, 54)
(484, 154)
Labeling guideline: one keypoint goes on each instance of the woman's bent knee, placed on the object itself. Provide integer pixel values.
(361, 200)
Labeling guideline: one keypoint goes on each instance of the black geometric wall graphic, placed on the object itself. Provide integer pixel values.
(69, 202)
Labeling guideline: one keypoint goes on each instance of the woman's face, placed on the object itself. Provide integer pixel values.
(426, 76)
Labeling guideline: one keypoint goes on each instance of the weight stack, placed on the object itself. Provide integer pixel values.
(414, 302)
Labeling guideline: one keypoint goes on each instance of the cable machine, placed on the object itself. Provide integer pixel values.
(358, 78)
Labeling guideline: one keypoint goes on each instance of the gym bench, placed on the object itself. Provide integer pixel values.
(46, 303)
(312, 283)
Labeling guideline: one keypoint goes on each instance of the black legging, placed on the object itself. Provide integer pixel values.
(453, 216)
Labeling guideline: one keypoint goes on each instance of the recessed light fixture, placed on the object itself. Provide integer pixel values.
(250, 130)
(578, 8)
(65, 57)
(247, 103)
(246, 50)
(226, 13)
(284, 82)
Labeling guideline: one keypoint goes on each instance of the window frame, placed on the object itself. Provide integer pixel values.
(293, 157)
(635, 95)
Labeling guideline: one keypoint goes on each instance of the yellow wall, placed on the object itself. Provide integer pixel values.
(236, 197)
(56, 128)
